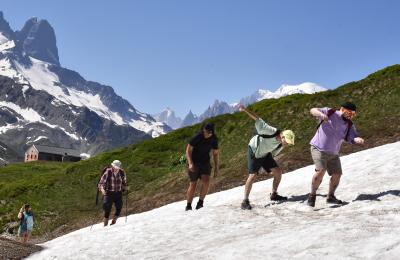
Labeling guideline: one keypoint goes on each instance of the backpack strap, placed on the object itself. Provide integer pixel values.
(349, 122)
(108, 180)
(349, 125)
(277, 132)
(330, 112)
(21, 222)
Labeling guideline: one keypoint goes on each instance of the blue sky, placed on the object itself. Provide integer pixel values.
(185, 54)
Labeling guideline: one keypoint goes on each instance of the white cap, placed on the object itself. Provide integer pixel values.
(116, 164)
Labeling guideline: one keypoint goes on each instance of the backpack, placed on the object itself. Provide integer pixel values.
(27, 221)
(349, 122)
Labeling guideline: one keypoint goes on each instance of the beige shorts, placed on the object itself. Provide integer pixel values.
(326, 161)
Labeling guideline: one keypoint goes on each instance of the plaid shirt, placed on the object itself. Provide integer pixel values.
(112, 182)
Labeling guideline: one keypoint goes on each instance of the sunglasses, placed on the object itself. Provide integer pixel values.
(348, 111)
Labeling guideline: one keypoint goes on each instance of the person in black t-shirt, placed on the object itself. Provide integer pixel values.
(199, 167)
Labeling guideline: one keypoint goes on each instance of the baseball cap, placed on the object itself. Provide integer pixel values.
(209, 127)
(349, 106)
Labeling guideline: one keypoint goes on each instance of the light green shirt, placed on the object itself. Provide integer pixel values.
(265, 145)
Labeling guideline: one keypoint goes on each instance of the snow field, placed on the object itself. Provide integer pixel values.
(366, 228)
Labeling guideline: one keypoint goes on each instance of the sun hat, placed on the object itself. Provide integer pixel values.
(289, 136)
(116, 164)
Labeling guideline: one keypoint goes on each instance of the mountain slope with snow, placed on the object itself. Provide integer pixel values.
(66, 109)
(367, 227)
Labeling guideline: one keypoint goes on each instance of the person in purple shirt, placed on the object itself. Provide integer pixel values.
(335, 127)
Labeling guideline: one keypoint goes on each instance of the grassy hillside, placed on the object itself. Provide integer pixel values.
(63, 194)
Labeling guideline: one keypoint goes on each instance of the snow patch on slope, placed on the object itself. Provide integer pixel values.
(6, 69)
(37, 139)
(366, 228)
(31, 116)
(41, 78)
(28, 114)
(5, 43)
(4, 129)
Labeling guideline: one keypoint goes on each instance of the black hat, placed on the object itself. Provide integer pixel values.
(209, 127)
(350, 106)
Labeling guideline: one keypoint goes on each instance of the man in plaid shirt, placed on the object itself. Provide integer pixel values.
(111, 185)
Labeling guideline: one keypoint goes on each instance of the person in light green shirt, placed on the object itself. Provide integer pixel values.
(263, 147)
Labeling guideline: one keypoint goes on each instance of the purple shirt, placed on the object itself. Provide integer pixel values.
(330, 135)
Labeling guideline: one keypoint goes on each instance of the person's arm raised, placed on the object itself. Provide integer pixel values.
(249, 113)
(317, 113)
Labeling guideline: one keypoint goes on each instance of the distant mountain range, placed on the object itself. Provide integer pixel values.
(221, 107)
(42, 102)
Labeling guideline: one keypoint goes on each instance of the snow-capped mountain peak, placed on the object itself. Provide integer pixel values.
(303, 88)
(283, 90)
(168, 117)
(36, 90)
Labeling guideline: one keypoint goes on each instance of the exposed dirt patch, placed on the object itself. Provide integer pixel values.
(10, 249)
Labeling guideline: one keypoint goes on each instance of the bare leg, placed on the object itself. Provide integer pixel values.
(249, 184)
(191, 190)
(25, 238)
(333, 184)
(277, 173)
(205, 179)
(316, 181)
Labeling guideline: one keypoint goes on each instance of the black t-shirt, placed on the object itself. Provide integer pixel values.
(202, 148)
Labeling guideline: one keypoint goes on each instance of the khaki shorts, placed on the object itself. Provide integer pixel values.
(326, 161)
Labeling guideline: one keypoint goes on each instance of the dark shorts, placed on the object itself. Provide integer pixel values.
(254, 164)
(199, 169)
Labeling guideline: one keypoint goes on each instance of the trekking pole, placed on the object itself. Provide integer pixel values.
(95, 207)
(126, 206)
(95, 212)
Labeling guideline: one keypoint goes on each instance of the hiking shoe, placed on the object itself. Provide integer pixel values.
(246, 204)
(333, 200)
(113, 221)
(311, 199)
(275, 196)
(199, 204)
(188, 207)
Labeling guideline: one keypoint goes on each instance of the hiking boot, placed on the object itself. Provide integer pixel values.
(311, 199)
(113, 221)
(105, 221)
(188, 207)
(333, 200)
(275, 196)
(199, 204)
(246, 204)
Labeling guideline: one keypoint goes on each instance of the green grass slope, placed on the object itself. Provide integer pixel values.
(62, 195)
